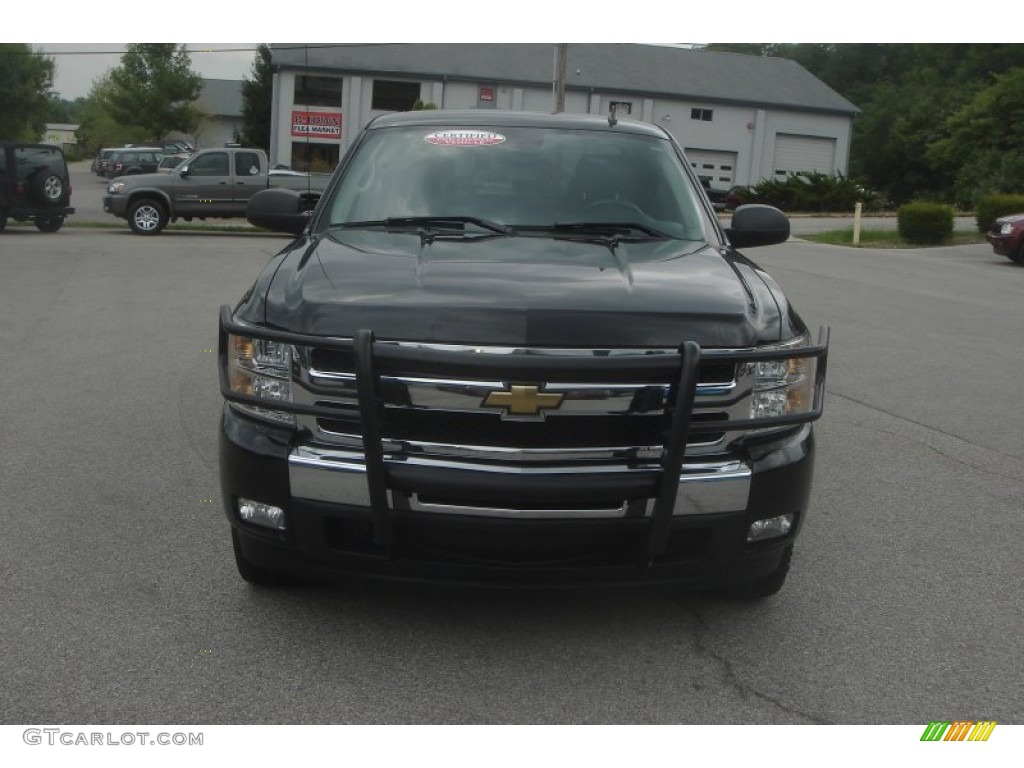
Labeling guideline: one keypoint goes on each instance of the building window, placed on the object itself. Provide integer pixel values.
(395, 95)
(621, 107)
(318, 91)
(314, 158)
(701, 114)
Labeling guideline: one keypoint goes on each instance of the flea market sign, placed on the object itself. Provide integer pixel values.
(320, 125)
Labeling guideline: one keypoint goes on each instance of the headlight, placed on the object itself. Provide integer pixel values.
(262, 369)
(116, 187)
(1006, 229)
(783, 387)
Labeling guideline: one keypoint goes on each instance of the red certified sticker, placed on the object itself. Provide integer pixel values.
(463, 137)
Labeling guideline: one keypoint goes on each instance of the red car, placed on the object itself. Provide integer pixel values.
(1007, 237)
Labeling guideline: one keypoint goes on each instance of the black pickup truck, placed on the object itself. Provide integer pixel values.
(513, 348)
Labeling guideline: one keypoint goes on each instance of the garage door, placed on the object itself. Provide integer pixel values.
(719, 168)
(803, 154)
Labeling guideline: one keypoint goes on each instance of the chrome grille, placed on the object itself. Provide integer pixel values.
(447, 418)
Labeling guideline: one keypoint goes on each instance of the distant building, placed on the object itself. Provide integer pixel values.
(221, 104)
(60, 135)
(739, 118)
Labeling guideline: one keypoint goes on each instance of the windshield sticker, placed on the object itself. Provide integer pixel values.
(464, 138)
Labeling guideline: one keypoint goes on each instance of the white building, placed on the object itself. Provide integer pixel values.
(60, 135)
(739, 118)
(220, 103)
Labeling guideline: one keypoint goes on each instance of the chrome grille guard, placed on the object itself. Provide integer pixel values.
(373, 359)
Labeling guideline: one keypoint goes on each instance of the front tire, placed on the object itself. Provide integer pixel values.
(50, 225)
(147, 217)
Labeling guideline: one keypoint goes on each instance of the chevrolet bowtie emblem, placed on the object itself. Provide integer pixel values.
(523, 400)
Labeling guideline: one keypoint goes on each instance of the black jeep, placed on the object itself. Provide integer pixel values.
(34, 185)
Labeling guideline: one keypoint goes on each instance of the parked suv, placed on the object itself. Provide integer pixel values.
(129, 162)
(517, 348)
(177, 146)
(168, 146)
(34, 185)
(99, 163)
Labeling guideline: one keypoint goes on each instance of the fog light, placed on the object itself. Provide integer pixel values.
(771, 528)
(260, 514)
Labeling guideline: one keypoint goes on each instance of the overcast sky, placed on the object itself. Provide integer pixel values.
(410, 21)
(79, 64)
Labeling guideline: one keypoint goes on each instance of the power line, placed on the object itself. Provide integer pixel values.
(277, 47)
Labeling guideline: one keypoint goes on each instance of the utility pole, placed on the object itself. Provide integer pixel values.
(561, 54)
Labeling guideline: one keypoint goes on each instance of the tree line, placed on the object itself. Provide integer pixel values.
(149, 96)
(939, 121)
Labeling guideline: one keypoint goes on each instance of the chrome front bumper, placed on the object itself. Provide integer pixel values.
(338, 476)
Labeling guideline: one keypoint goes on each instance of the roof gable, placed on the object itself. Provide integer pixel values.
(698, 75)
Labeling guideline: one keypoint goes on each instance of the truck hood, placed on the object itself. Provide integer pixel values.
(522, 291)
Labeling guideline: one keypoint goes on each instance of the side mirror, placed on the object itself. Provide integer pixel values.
(183, 171)
(754, 225)
(279, 210)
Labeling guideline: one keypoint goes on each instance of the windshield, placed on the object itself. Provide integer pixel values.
(523, 178)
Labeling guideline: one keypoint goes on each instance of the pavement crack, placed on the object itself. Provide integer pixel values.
(733, 679)
(955, 459)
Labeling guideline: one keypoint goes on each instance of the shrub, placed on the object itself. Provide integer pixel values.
(817, 192)
(991, 207)
(925, 223)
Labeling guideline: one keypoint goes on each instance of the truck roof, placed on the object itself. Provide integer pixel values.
(489, 117)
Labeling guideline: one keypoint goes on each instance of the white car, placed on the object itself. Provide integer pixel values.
(170, 162)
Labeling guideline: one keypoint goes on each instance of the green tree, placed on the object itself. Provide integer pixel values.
(257, 94)
(155, 88)
(26, 80)
(984, 145)
(98, 127)
(908, 94)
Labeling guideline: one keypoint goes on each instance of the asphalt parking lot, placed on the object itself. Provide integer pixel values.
(121, 603)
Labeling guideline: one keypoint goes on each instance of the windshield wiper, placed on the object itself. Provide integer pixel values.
(616, 230)
(616, 227)
(433, 224)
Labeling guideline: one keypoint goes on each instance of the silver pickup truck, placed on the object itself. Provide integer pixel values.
(212, 184)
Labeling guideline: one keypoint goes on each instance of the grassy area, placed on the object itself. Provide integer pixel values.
(885, 238)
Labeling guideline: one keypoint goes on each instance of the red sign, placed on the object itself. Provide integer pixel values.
(319, 125)
(486, 93)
